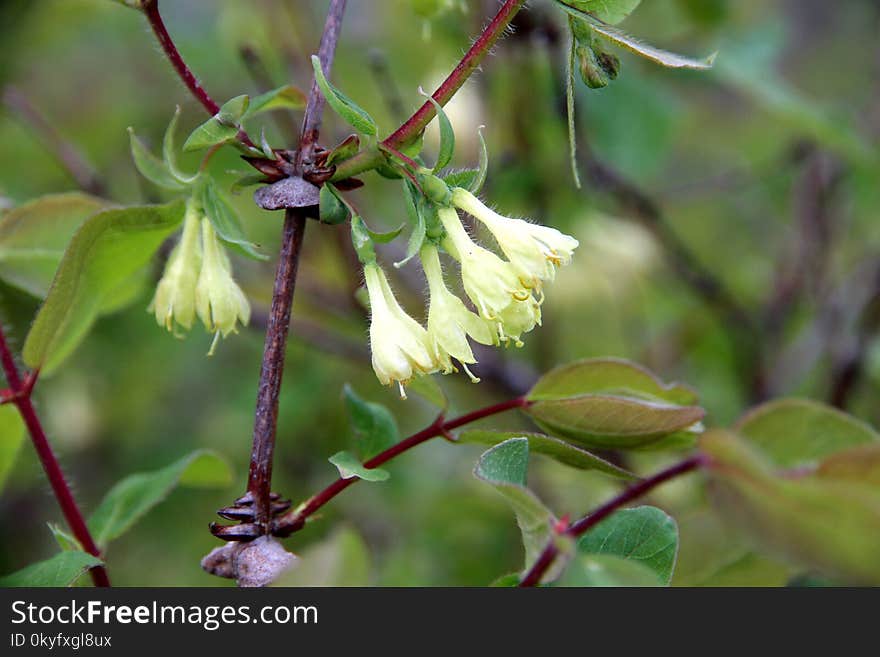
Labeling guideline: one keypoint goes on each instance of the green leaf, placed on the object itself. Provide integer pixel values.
(224, 219)
(606, 570)
(611, 403)
(644, 534)
(504, 467)
(107, 250)
(609, 11)
(169, 152)
(33, 237)
(11, 439)
(797, 432)
(133, 497)
(570, 111)
(373, 426)
(428, 389)
(286, 97)
(349, 467)
(818, 523)
(415, 213)
(552, 447)
(483, 166)
(151, 167)
(61, 570)
(221, 128)
(332, 210)
(342, 559)
(347, 148)
(66, 541)
(461, 178)
(634, 45)
(344, 106)
(447, 134)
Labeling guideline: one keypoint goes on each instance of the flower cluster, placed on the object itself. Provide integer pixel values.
(197, 281)
(506, 293)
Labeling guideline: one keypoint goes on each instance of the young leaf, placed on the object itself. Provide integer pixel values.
(797, 432)
(461, 178)
(133, 497)
(221, 128)
(607, 570)
(483, 166)
(349, 467)
(610, 403)
(644, 534)
(818, 523)
(11, 439)
(33, 237)
(151, 167)
(344, 150)
(286, 97)
(619, 38)
(447, 134)
(552, 447)
(373, 426)
(66, 541)
(504, 467)
(169, 152)
(415, 213)
(331, 209)
(858, 464)
(106, 252)
(61, 570)
(609, 11)
(570, 111)
(344, 106)
(225, 220)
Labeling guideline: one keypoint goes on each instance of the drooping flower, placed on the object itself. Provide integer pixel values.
(220, 303)
(535, 251)
(399, 344)
(449, 321)
(490, 282)
(175, 299)
(518, 318)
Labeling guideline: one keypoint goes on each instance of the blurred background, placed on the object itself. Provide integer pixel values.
(728, 229)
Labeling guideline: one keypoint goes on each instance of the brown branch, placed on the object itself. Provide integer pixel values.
(21, 397)
(548, 556)
(272, 370)
(83, 174)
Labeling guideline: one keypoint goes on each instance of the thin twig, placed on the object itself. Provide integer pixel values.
(83, 174)
(266, 415)
(295, 520)
(21, 397)
(548, 556)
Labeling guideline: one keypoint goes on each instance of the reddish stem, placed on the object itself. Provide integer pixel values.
(21, 397)
(582, 526)
(295, 520)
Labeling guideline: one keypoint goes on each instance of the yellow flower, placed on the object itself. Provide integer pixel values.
(535, 251)
(449, 321)
(398, 343)
(220, 303)
(175, 297)
(490, 282)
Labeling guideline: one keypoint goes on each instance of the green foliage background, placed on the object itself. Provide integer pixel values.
(719, 150)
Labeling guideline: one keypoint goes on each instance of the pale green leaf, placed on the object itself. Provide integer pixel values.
(373, 426)
(549, 446)
(107, 250)
(286, 97)
(61, 570)
(133, 497)
(33, 237)
(609, 11)
(447, 134)
(151, 167)
(12, 432)
(607, 570)
(221, 128)
(349, 466)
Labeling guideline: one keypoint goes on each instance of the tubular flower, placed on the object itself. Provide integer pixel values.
(220, 303)
(449, 321)
(535, 251)
(518, 318)
(399, 345)
(490, 282)
(175, 297)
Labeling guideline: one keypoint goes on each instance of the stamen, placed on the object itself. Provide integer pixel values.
(473, 378)
(402, 389)
(214, 343)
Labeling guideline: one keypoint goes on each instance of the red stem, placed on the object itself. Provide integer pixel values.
(295, 520)
(21, 391)
(582, 526)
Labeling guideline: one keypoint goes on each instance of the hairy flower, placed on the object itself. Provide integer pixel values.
(399, 344)
(535, 251)
(449, 321)
(220, 303)
(490, 282)
(175, 299)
